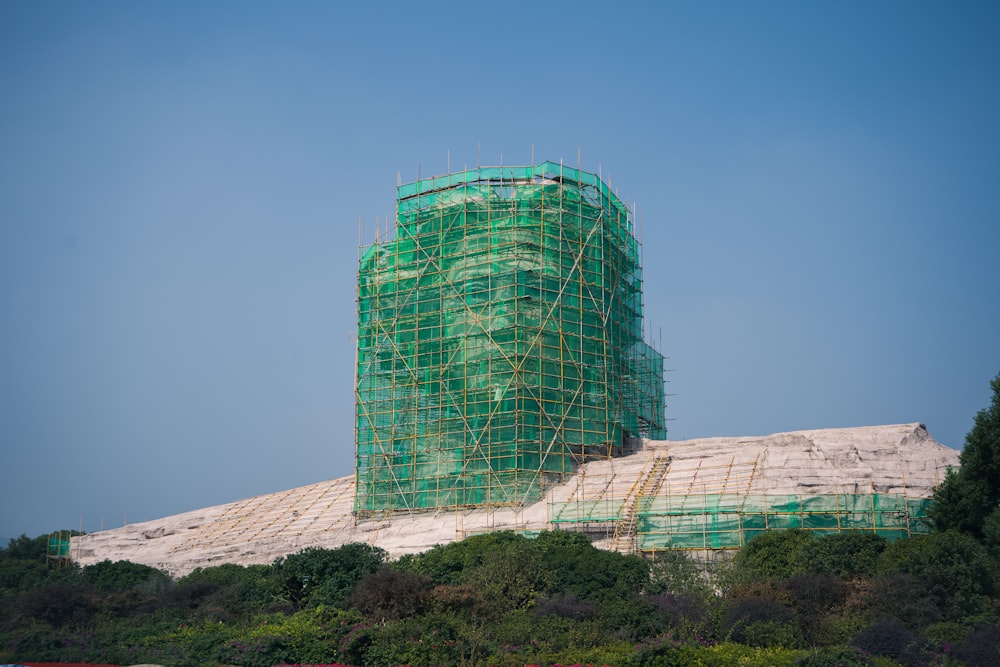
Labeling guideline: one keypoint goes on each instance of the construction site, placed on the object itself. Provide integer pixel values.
(503, 382)
(500, 340)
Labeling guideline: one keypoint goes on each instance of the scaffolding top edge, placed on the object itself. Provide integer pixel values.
(545, 171)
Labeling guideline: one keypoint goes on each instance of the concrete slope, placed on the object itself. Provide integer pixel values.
(901, 459)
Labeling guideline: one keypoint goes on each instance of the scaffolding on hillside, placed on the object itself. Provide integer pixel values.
(500, 341)
(58, 552)
(721, 507)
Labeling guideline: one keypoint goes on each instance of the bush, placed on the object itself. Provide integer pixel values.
(681, 615)
(773, 554)
(887, 638)
(719, 655)
(835, 656)
(674, 572)
(814, 598)
(317, 576)
(953, 568)
(387, 594)
(58, 605)
(981, 648)
(849, 554)
(564, 606)
(900, 596)
(122, 575)
(761, 622)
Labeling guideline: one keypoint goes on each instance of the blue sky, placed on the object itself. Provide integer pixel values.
(181, 184)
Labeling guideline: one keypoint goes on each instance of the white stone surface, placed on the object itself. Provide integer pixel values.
(901, 459)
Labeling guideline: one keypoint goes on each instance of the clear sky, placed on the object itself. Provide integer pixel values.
(181, 185)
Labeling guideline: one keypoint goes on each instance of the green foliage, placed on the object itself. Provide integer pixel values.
(890, 639)
(223, 592)
(774, 554)
(506, 600)
(425, 640)
(451, 563)
(390, 594)
(901, 596)
(815, 599)
(981, 648)
(26, 548)
(946, 633)
(317, 576)
(674, 572)
(954, 570)
(57, 605)
(580, 568)
(848, 554)
(23, 566)
(510, 576)
(762, 622)
(969, 495)
(835, 656)
(122, 575)
(719, 655)
(991, 533)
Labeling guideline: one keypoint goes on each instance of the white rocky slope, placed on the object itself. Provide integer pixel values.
(899, 459)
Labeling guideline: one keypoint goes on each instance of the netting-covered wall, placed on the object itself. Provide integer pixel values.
(499, 340)
(729, 520)
(59, 549)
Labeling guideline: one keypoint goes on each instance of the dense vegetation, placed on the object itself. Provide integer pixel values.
(788, 598)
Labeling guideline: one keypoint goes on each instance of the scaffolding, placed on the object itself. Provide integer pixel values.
(722, 507)
(58, 553)
(500, 340)
(728, 521)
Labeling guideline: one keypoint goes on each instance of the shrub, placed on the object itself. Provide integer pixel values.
(814, 597)
(835, 656)
(761, 622)
(387, 594)
(952, 567)
(981, 648)
(887, 638)
(565, 606)
(777, 554)
(719, 655)
(849, 554)
(122, 575)
(316, 576)
(58, 605)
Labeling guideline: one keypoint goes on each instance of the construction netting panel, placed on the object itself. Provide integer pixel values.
(59, 549)
(728, 521)
(499, 340)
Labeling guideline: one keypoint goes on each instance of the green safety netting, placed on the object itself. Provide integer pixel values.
(59, 549)
(499, 340)
(728, 521)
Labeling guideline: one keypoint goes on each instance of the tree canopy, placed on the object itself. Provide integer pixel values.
(968, 496)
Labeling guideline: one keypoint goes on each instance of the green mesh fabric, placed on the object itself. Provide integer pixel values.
(499, 340)
(728, 521)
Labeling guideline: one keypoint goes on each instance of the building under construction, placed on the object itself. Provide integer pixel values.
(500, 340)
(503, 384)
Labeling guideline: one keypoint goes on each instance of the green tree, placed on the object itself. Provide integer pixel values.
(849, 554)
(22, 565)
(119, 576)
(773, 554)
(324, 576)
(952, 568)
(390, 594)
(967, 496)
